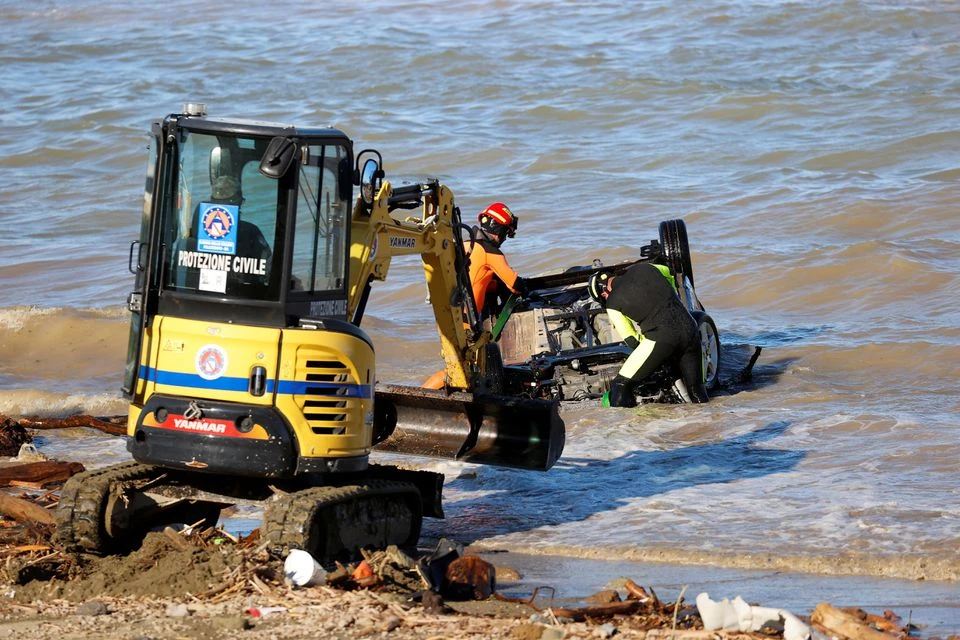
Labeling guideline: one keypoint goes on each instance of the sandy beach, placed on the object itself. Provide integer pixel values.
(203, 585)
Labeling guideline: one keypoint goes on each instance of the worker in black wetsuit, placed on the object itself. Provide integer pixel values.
(645, 294)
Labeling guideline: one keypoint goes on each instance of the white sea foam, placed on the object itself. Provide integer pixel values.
(14, 318)
(32, 402)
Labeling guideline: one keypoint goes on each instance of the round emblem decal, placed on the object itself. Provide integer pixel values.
(211, 362)
(217, 222)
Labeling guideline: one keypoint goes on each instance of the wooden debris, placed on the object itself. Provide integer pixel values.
(24, 510)
(579, 614)
(255, 573)
(176, 539)
(847, 624)
(12, 436)
(635, 591)
(889, 621)
(30, 548)
(115, 426)
(37, 475)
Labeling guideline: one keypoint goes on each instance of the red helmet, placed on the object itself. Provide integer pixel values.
(498, 218)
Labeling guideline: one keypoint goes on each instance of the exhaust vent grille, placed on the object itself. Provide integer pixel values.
(327, 403)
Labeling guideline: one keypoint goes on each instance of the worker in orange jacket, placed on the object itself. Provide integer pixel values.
(490, 272)
(491, 276)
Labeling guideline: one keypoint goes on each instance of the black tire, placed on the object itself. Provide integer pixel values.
(710, 348)
(676, 249)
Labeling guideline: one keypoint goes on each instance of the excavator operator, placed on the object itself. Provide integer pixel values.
(645, 294)
(491, 276)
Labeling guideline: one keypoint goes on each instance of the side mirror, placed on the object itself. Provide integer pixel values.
(370, 179)
(278, 157)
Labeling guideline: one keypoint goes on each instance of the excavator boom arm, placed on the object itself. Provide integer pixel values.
(377, 236)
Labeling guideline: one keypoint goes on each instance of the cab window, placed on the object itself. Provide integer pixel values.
(321, 225)
(221, 228)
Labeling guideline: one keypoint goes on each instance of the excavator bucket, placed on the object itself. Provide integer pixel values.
(496, 430)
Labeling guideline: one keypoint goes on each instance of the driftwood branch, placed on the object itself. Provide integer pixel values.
(635, 591)
(115, 426)
(598, 611)
(37, 474)
(835, 621)
(24, 510)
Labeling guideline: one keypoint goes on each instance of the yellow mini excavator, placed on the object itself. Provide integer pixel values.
(250, 380)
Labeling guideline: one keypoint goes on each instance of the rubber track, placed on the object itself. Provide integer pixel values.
(287, 521)
(80, 525)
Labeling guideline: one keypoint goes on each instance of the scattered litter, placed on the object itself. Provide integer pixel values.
(37, 474)
(263, 612)
(28, 453)
(398, 582)
(469, 577)
(301, 569)
(744, 617)
(362, 572)
(858, 624)
(433, 567)
(606, 630)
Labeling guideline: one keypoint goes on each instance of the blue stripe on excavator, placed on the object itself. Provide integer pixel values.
(284, 387)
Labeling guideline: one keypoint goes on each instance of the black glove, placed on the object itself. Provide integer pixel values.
(620, 393)
(631, 342)
(520, 286)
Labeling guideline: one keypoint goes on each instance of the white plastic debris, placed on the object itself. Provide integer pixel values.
(303, 570)
(28, 453)
(717, 615)
(745, 617)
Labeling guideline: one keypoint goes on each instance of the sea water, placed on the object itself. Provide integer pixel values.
(810, 148)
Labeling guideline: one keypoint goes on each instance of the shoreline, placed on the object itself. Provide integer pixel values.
(279, 611)
(842, 564)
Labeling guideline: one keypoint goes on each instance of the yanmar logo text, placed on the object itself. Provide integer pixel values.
(205, 426)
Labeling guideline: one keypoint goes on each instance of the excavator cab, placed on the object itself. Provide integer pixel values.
(229, 217)
(243, 257)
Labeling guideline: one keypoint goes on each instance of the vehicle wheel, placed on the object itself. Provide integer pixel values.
(676, 249)
(710, 348)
